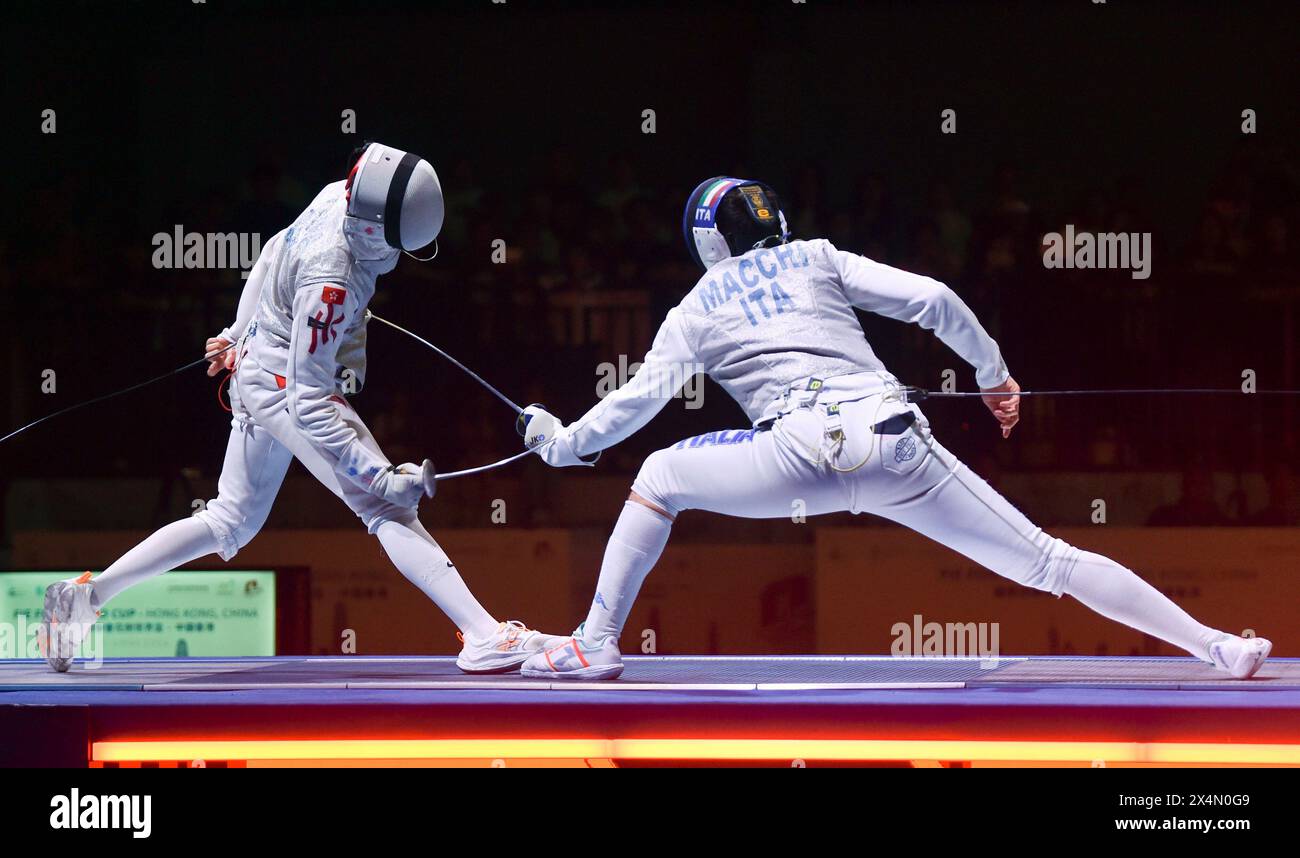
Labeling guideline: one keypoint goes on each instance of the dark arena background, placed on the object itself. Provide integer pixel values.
(948, 139)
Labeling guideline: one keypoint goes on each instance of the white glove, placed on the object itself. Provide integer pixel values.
(537, 425)
(544, 433)
(404, 484)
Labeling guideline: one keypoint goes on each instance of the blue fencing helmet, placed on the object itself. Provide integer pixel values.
(705, 241)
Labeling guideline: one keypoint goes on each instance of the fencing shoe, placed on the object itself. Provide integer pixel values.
(69, 613)
(576, 658)
(1240, 656)
(504, 650)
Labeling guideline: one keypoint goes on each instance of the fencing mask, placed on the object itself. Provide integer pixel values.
(398, 190)
(705, 241)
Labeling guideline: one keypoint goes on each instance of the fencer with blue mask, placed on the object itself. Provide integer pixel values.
(772, 320)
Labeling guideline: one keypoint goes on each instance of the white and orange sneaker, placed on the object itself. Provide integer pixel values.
(69, 613)
(1240, 656)
(504, 650)
(576, 658)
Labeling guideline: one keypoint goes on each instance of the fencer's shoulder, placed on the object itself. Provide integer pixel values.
(830, 263)
(677, 331)
(817, 249)
(317, 218)
(325, 260)
(272, 247)
(691, 307)
(685, 304)
(331, 193)
(322, 249)
(675, 318)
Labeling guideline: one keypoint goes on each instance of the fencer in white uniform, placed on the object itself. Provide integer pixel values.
(300, 336)
(772, 321)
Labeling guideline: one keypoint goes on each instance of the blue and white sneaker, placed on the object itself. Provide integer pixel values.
(1240, 656)
(576, 658)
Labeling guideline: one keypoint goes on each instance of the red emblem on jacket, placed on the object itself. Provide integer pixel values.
(324, 327)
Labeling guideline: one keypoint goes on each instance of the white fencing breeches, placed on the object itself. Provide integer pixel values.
(800, 467)
(794, 469)
(263, 441)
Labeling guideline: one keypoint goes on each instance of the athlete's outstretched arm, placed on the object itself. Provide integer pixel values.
(662, 374)
(910, 297)
(926, 302)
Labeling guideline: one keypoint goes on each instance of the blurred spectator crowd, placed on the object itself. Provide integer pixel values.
(589, 271)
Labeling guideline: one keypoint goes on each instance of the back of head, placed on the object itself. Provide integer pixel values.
(748, 217)
(727, 217)
(399, 190)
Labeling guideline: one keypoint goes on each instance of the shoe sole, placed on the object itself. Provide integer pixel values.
(487, 670)
(595, 672)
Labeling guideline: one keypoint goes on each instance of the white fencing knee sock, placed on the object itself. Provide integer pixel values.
(632, 551)
(1116, 592)
(174, 545)
(418, 556)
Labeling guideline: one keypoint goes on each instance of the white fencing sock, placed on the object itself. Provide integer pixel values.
(417, 555)
(174, 545)
(1116, 592)
(632, 551)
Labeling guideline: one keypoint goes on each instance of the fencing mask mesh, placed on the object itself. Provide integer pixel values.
(399, 190)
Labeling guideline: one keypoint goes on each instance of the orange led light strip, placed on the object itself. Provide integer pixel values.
(696, 749)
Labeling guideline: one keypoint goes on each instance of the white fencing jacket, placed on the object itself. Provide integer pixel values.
(305, 301)
(760, 322)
